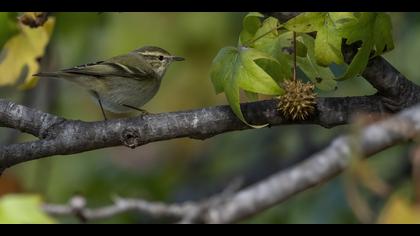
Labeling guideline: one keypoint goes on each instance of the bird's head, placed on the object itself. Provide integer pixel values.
(158, 58)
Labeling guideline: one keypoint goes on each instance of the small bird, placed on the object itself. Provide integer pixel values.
(123, 82)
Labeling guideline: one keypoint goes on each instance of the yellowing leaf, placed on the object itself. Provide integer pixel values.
(21, 52)
(399, 211)
(306, 22)
(21, 209)
(328, 46)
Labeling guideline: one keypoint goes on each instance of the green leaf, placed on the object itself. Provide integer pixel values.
(341, 19)
(328, 46)
(252, 77)
(222, 68)
(359, 61)
(274, 44)
(382, 34)
(268, 27)
(306, 22)
(235, 69)
(21, 209)
(322, 77)
(251, 96)
(359, 31)
(328, 40)
(374, 31)
(250, 25)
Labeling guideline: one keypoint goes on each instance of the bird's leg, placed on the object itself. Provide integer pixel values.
(102, 109)
(144, 112)
(100, 103)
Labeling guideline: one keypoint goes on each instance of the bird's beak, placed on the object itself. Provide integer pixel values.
(176, 58)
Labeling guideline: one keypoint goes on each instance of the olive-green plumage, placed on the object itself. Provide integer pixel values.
(123, 82)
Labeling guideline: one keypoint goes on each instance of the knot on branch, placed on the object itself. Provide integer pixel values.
(52, 129)
(131, 138)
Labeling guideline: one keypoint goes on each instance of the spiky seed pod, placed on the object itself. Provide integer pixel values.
(299, 100)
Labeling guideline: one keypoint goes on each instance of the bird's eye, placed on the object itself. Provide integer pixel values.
(160, 58)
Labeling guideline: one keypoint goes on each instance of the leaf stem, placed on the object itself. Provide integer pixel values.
(261, 36)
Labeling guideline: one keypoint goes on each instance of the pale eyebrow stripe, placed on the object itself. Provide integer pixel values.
(151, 54)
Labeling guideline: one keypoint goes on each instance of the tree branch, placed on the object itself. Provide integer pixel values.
(279, 187)
(59, 136)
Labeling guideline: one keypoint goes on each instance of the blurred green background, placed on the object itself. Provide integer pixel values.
(185, 169)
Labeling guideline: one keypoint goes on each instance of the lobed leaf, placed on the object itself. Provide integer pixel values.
(235, 68)
(322, 77)
(250, 24)
(374, 31)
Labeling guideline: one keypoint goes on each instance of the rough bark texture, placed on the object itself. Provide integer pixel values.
(59, 136)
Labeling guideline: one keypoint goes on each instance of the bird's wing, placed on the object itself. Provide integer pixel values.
(116, 66)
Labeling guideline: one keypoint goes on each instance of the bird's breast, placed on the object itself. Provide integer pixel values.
(128, 91)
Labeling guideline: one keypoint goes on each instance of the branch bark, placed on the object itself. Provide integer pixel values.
(59, 136)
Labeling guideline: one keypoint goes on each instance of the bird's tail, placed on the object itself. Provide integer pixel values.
(78, 79)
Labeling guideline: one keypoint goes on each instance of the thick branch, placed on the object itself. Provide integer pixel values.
(59, 136)
(279, 187)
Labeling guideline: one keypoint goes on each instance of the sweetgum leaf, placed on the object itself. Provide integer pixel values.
(382, 34)
(274, 44)
(328, 46)
(235, 68)
(250, 24)
(306, 22)
(374, 31)
(322, 77)
(328, 40)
